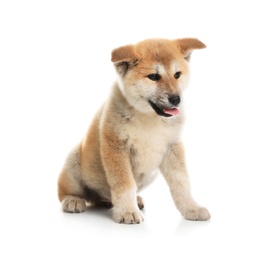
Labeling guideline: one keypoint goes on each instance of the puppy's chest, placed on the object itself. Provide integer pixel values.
(147, 143)
(146, 151)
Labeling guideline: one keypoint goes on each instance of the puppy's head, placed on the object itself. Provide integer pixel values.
(153, 73)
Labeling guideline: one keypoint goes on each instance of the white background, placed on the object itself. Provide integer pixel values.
(55, 71)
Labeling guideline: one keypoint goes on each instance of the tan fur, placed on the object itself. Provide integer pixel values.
(132, 136)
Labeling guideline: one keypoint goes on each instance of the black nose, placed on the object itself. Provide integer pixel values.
(174, 100)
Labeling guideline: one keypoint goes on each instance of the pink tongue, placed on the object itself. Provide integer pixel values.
(173, 111)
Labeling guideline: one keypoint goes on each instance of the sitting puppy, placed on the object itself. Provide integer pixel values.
(135, 135)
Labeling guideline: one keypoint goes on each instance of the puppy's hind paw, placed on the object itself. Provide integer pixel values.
(200, 214)
(140, 202)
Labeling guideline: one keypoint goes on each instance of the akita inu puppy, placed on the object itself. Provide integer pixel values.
(135, 135)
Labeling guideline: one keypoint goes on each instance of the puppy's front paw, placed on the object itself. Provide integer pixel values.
(73, 204)
(197, 214)
(128, 217)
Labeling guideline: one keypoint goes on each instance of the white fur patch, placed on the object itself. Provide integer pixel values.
(148, 137)
(160, 69)
(175, 67)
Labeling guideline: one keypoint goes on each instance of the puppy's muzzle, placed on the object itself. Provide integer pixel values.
(169, 108)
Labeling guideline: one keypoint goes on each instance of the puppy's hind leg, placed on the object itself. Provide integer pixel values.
(140, 202)
(70, 188)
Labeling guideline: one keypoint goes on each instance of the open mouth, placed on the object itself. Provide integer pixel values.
(167, 112)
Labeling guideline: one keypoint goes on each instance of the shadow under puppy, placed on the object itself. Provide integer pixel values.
(135, 134)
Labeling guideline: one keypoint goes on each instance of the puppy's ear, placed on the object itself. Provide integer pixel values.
(187, 45)
(124, 58)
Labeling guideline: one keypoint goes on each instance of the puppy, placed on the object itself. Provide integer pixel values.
(135, 135)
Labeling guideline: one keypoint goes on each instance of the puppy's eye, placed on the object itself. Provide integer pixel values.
(154, 77)
(177, 75)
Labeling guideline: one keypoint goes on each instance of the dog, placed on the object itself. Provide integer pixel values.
(135, 135)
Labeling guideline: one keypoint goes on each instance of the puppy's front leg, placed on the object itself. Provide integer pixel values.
(116, 162)
(174, 170)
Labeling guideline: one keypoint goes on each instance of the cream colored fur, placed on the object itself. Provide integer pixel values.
(130, 140)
